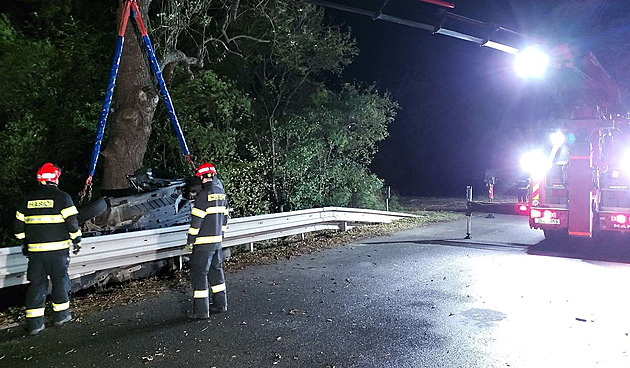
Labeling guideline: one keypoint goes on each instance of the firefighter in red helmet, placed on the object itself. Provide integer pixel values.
(209, 219)
(47, 223)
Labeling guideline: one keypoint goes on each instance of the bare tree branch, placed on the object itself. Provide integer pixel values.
(206, 23)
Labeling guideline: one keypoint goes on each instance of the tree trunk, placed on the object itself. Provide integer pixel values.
(135, 99)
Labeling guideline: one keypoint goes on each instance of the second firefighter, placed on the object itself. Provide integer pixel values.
(209, 220)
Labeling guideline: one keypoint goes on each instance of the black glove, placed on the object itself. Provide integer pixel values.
(25, 250)
(76, 248)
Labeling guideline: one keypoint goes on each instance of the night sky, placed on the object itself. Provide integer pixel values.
(463, 109)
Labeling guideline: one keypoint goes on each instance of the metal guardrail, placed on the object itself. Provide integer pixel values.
(132, 248)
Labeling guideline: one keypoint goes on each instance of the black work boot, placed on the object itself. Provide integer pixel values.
(217, 309)
(35, 325)
(65, 320)
(192, 315)
(36, 330)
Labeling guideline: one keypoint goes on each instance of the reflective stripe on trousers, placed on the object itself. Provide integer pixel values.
(34, 313)
(206, 271)
(218, 288)
(60, 307)
(201, 293)
(41, 265)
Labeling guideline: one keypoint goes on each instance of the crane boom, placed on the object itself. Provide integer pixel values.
(597, 87)
(483, 31)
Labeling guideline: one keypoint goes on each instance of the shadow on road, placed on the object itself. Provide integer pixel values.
(599, 250)
(103, 332)
(461, 243)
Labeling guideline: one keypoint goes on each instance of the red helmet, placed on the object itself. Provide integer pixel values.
(206, 169)
(48, 172)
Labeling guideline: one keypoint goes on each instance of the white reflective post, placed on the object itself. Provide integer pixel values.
(469, 198)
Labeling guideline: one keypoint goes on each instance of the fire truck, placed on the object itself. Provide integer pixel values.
(581, 186)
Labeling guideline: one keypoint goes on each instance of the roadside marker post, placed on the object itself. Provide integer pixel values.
(469, 198)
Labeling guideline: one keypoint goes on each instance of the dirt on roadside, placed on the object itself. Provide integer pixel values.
(89, 301)
(433, 204)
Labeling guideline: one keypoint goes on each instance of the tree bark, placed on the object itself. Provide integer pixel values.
(135, 101)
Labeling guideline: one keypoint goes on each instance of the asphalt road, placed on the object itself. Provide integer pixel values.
(426, 297)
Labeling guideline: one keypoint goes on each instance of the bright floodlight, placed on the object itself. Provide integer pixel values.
(557, 139)
(535, 163)
(531, 62)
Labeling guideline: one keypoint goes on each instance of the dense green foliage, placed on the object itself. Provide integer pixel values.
(326, 149)
(48, 104)
(273, 114)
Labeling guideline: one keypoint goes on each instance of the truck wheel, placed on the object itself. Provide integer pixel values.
(556, 235)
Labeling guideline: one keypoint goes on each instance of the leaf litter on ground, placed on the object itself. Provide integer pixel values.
(268, 252)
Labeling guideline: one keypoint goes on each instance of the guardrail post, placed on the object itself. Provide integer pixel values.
(343, 226)
(302, 237)
(469, 198)
(250, 247)
(387, 194)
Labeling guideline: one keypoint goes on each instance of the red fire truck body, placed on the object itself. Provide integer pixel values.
(585, 191)
(583, 188)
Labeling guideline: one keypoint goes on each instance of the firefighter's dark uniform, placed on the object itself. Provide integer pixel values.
(48, 224)
(209, 219)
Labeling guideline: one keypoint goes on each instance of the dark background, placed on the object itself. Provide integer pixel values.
(462, 109)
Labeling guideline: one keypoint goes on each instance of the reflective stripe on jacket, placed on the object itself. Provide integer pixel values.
(209, 214)
(47, 220)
